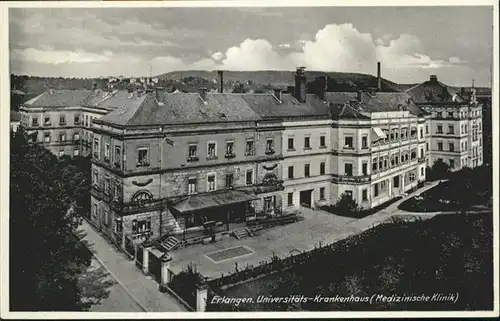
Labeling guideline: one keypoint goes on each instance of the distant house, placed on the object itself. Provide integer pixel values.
(15, 120)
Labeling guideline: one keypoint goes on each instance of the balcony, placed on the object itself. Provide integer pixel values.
(230, 155)
(142, 164)
(35, 124)
(62, 123)
(351, 179)
(118, 165)
(269, 186)
(270, 151)
(249, 152)
(106, 159)
(212, 157)
(138, 207)
(47, 124)
(192, 159)
(422, 160)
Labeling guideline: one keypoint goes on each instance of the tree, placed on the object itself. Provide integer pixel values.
(439, 170)
(239, 88)
(47, 258)
(347, 206)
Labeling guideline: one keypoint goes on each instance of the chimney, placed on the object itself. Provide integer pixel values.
(203, 93)
(300, 84)
(277, 94)
(379, 80)
(160, 95)
(434, 79)
(359, 95)
(221, 81)
(462, 91)
(94, 86)
(324, 88)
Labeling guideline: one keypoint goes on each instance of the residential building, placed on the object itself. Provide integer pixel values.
(15, 120)
(455, 127)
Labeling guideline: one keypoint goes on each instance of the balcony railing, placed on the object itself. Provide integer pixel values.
(106, 159)
(270, 151)
(230, 155)
(249, 152)
(351, 179)
(421, 160)
(269, 186)
(192, 159)
(137, 207)
(142, 164)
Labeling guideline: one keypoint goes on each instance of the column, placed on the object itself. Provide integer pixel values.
(145, 259)
(201, 297)
(165, 272)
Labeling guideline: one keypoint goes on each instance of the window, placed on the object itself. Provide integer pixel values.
(451, 147)
(374, 164)
(106, 185)
(290, 199)
(321, 193)
(86, 120)
(249, 177)
(46, 121)
(451, 129)
(142, 157)
(268, 203)
(440, 146)
(421, 133)
(421, 153)
(364, 195)
(439, 129)
(306, 170)
(76, 120)
(426, 146)
(290, 171)
(62, 120)
(62, 137)
(413, 154)
(426, 129)
(439, 114)
(211, 153)
(380, 163)
(94, 211)
(375, 190)
(76, 151)
(118, 225)
(348, 193)
(290, 144)
(322, 168)
(413, 132)
(34, 121)
(141, 226)
(452, 163)
(364, 167)
(106, 152)
(46, 137)
(96, 178)
(269, 146)
(61, 152)
(249, 149)
(450, 114)
(348, 169)
(118, 156)
(307, 142)
(96, 147)
(211, 183)
(465, 127)
(364, 142)
(192, 152)
(348, 142)
(76, 137)
(229, 180)
(422, 172)
(191, 185)
(412, 177)
(322, 141)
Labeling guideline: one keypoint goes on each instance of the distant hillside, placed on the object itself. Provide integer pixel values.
(283, 78)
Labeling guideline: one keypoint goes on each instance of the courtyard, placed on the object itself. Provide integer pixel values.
(221, 258)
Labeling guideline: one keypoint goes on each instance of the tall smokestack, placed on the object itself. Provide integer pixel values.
(379, 80)
(221, 81)
(300, 85)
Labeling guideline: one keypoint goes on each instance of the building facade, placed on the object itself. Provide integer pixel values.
(455, 126)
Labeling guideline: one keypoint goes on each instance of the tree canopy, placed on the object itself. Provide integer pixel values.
(46, 256)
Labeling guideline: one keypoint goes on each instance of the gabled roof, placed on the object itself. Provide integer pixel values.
(433, 91)
(58, 98)
(370, 103)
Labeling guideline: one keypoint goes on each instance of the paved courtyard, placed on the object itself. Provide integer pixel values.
(317, 226)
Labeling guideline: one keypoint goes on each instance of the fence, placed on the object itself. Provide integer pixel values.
(129, 247)
(155, 267)
(139, 256)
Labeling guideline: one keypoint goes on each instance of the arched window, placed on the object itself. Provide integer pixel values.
(141, 197)
(413, 132)
(413, 153)
(270, 179)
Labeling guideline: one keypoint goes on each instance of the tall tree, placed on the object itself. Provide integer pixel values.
(46, 257)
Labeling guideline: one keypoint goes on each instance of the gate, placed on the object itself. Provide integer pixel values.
(155, 267)
(139, 261)
(129, 247)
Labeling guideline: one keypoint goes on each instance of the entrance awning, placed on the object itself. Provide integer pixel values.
(211, 200)
(378, 133)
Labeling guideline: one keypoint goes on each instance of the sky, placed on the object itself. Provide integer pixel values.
(454, 43)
